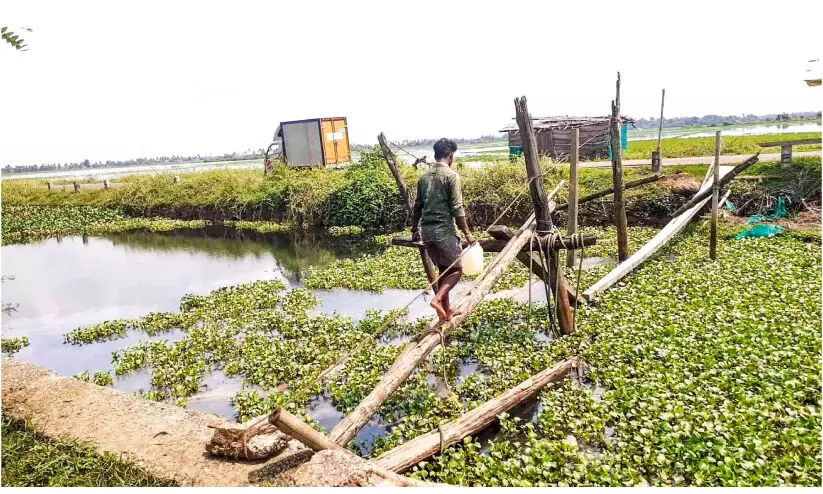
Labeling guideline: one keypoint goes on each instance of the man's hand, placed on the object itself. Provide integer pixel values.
(415, 235)
(471, 240)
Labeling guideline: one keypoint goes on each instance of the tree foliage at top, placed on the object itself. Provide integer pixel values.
(14, 39)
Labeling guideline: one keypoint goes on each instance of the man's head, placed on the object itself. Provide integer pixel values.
(444, 150)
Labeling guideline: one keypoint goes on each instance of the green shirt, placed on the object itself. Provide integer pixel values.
(439, 201)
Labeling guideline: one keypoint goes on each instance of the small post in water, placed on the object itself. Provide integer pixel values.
(715, 197)
(658, 164)
(571, 227)
(620, 221)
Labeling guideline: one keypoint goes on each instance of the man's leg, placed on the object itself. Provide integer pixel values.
(449, 265)
(441, 300)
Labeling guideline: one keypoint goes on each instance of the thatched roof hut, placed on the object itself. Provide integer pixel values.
(554, 136)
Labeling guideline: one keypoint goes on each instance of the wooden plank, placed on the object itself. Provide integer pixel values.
(667, 233)
(405, 456)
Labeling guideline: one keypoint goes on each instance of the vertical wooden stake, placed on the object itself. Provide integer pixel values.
(620, 221)
(659, 165)
(401, 185)
(543, 214)
(76, 187)
(572, 223)
(715, 197)
(106, 183)
(536, 184)
(51, 185)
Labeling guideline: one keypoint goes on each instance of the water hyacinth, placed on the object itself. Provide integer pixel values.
(11, 346)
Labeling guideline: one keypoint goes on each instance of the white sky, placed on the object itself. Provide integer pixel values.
(114, 80)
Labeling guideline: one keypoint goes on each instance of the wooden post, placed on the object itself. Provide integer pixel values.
(415, 351)
(785, 155)
(106, 183)
(543, 213)
(536, 185)
(51, 185)
(76, 187)
(715, 198)
(617, 176)
(176, 180)
(571, 227)
(659, 164)
(401, 185)
(428, 265)
(408, 454)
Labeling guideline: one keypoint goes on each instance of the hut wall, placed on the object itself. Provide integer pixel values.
(556, 143)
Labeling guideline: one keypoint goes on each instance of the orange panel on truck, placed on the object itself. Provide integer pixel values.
(335, 134)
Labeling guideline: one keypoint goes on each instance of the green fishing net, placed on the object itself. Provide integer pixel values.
(779, 212)
(758, 231)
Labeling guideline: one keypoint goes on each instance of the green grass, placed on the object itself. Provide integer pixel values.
(681, 147)
(31, 459)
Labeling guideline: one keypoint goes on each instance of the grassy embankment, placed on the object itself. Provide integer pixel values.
(33, 460)
(364, 196)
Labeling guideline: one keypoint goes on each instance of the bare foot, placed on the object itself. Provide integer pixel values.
(437, 305)
(452, 312)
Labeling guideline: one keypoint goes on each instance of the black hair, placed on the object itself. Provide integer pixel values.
(443, 148)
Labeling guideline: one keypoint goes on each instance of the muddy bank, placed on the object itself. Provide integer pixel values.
(167, 441)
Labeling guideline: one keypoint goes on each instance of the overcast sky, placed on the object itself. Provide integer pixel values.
(114, 80)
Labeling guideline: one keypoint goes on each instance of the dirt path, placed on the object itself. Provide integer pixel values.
(730, 159)
(166, 440)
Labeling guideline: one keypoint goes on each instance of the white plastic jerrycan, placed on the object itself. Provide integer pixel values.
(473, 260)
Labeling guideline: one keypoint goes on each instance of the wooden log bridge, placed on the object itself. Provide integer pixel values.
(408, 454)
(417, 350)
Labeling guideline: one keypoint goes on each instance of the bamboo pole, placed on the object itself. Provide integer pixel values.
(571, 227)
(620, 221)
(414, 352)
(626, 186)
(500, 238)
(659, 165)
(715, 197)
(724, 180)
(405, 456)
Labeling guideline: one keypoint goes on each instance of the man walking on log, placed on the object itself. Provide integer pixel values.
(438, 206)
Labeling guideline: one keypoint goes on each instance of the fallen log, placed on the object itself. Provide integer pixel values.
(706, 192)
(670, 230)
(296, 428)
(254, 440)
(603, 193)
(408, 454)
(414, 352)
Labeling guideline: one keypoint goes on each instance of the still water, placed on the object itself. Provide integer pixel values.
(61, 284)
